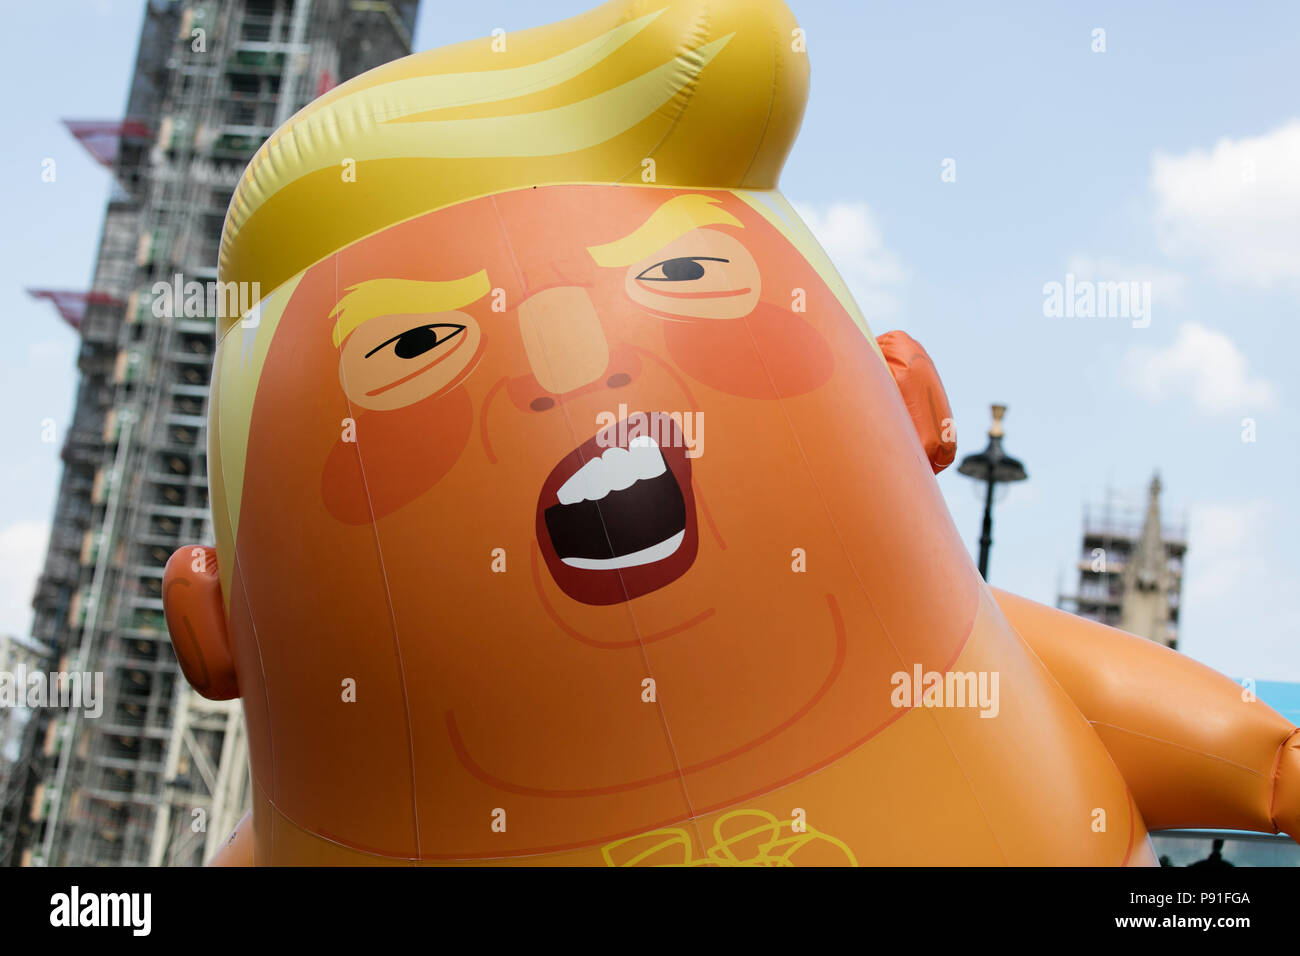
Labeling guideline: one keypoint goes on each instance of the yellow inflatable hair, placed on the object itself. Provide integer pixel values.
(544, 106)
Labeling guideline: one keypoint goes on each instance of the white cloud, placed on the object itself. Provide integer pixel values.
(1201, 364)
(22, 555)
(851, 237)
(1236, 206)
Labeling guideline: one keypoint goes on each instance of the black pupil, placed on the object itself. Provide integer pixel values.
(418, 341)
(682, 270)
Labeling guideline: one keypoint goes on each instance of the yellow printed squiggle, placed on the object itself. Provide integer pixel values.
(761, 840)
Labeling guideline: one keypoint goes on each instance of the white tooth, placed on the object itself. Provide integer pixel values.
(620, 470)
(656, 552)
(615, 470)
(570, 492)
(647, 460)
(594, 483)
(587, 483)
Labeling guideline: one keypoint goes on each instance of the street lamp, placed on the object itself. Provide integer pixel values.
(993, 468)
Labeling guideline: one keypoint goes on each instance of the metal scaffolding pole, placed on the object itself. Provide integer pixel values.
(73, 719)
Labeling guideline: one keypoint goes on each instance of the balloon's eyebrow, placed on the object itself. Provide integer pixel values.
(671, 221)
(376, 297)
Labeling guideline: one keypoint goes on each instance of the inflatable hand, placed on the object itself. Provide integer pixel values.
(1286, 788)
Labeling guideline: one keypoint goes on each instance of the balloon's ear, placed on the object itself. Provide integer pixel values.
(196, 619)
(923, 393)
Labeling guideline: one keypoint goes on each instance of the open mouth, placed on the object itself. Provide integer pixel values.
(616, 516)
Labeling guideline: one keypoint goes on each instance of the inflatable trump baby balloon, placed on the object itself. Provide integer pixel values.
(567, 512)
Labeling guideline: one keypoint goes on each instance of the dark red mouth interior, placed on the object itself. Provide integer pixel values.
(622, 523)
(625, 522)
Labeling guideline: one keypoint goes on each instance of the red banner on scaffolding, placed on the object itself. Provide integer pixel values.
(102, 138)
(72, 304)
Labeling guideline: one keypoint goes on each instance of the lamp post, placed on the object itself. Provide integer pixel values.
(993, 467)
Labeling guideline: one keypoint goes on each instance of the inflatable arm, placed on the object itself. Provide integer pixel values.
(1195, 751)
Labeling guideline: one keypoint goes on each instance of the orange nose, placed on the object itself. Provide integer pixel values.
(563, 338)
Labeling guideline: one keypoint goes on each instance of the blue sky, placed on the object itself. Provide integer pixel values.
(1171, 158)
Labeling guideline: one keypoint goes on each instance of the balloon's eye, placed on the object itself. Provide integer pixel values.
(417, 341)
(685, 269)
(397, 359)
(677, 281)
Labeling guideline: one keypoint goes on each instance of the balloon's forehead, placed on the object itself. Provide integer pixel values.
(565, 224)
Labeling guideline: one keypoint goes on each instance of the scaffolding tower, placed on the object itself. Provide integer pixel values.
(18, 726)
(1131, 568)
(162, 775)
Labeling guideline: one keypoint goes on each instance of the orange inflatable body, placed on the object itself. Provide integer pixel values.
(569, 514)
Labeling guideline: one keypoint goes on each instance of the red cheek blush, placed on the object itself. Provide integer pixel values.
(770, 348)
(394, 457)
